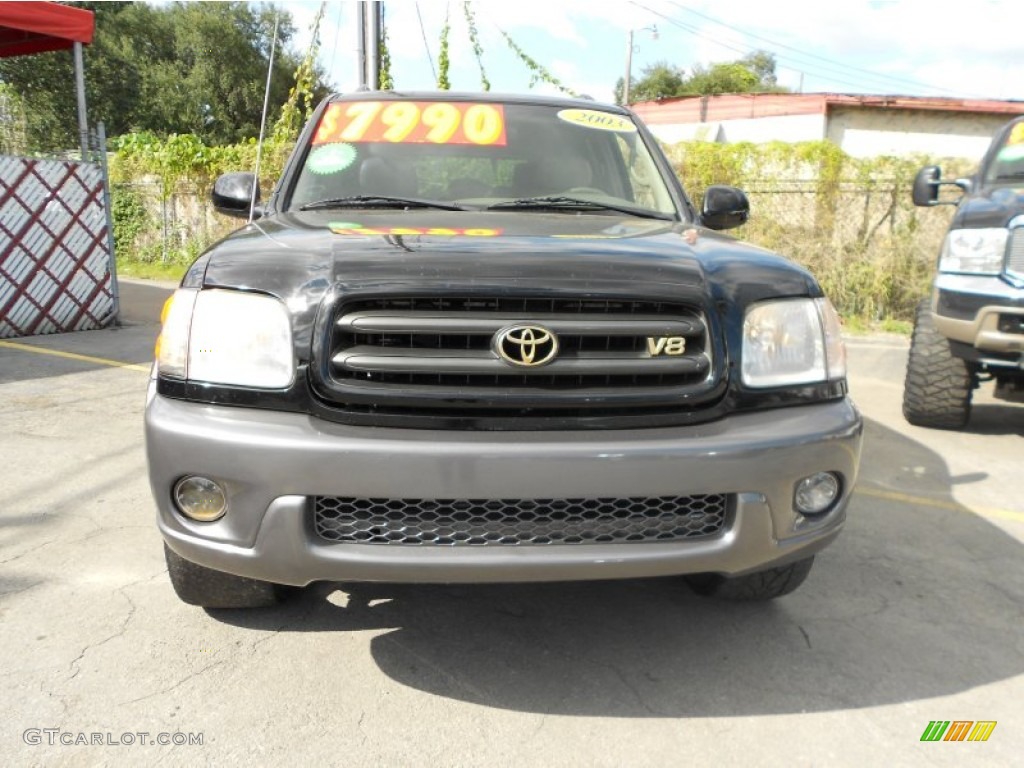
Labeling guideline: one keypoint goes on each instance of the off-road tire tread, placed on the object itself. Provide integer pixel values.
(938, 388)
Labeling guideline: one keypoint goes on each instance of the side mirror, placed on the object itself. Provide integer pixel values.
(926, 186)
(927, 183)
(232, 194)
(724, 207)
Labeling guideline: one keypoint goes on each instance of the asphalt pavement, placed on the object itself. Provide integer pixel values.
(914, 615)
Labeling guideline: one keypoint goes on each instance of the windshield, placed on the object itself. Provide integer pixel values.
(478, 155)
(1008, 160)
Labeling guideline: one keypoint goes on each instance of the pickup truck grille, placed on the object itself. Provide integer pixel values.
(514, 522)
(441, 356)
(1015, 253)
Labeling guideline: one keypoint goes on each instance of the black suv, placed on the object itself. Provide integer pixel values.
(972, 328)
(474, 338)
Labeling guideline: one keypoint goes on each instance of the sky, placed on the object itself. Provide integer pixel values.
(896, 47)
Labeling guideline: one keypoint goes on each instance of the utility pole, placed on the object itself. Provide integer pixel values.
(361, 44)
(653, 29)
(371, 24)
(629, 69)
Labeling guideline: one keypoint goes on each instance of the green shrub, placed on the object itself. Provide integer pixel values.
(129, 217)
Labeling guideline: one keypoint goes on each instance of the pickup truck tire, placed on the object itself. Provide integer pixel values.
(761, 585)
(938, 387)
(198, 585)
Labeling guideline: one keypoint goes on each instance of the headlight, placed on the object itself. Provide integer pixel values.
(792, 341)
(227, 337)
(979, 251)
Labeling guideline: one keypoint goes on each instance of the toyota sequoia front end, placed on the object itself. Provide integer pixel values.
(482, 339)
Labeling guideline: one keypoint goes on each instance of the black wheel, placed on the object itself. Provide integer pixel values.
(762, 585)
(198, 585)
(938, 388)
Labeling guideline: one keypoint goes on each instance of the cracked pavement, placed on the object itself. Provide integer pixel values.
(913, 615)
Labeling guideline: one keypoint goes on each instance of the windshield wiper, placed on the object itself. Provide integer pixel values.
(561, 202)
(1015, 176)
(380, 201)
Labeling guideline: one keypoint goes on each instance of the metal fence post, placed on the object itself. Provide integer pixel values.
(115, 291)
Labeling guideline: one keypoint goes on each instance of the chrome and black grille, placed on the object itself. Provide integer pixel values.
(1015, 253)
(518, 522)
(438, 355)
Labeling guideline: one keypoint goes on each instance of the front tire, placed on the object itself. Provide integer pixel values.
(938, 388)
(198, 585)
(761, 585)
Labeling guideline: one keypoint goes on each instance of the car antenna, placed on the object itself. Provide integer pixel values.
(263, 121)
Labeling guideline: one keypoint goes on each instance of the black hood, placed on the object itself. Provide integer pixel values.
(294, 252)
(298, 257)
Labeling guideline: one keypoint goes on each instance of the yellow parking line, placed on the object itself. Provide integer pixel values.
(74, 356)
(924, 501)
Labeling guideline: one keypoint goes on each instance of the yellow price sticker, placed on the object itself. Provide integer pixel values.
(412, 122)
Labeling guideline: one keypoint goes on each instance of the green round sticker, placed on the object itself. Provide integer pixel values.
(331, 158)
(1012, 152)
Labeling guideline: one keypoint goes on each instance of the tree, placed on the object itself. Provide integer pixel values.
(660, 80)
(762, 64)
(178, 68)
(732, 77)
(753, 73)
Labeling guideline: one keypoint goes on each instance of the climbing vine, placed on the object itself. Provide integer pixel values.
(474, 39)
(299, 106)
(385, 81)
(538, 71)
(443, 62)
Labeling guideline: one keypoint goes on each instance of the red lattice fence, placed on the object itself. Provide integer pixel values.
(54, 248)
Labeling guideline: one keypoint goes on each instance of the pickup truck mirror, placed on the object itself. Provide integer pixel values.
(926, 186)
(232, 194)
(724, 207)
(927, 183)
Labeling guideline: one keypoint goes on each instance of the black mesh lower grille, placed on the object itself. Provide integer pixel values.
(511, 522)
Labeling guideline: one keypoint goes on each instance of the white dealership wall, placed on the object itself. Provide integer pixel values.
(863, 126)
(758, 130)
(872, 132)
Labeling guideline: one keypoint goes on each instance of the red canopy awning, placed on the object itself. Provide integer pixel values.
(37, 27)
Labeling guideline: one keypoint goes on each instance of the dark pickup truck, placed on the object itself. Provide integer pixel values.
(971, 329)
(474, 338)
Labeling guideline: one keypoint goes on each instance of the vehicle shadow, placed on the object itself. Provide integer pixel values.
(911, 602)
(996, 418)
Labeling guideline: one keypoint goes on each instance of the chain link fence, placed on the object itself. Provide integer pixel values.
(873, 251)
(152, 224)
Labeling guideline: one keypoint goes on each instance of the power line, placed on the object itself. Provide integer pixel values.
(741, 50)
(806, 54)
(334, 48)
(818, 71)
(426, 47)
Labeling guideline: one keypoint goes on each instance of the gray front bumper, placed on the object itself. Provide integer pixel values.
(271, 462)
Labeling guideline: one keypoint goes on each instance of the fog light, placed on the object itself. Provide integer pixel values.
(817, 493)
(200, 498)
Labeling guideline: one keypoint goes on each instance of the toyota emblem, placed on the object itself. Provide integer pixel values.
(526, 346)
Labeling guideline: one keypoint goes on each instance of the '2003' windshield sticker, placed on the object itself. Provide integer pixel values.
(342, 228)
(331, 158)
(413, 122)
(602, 121)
